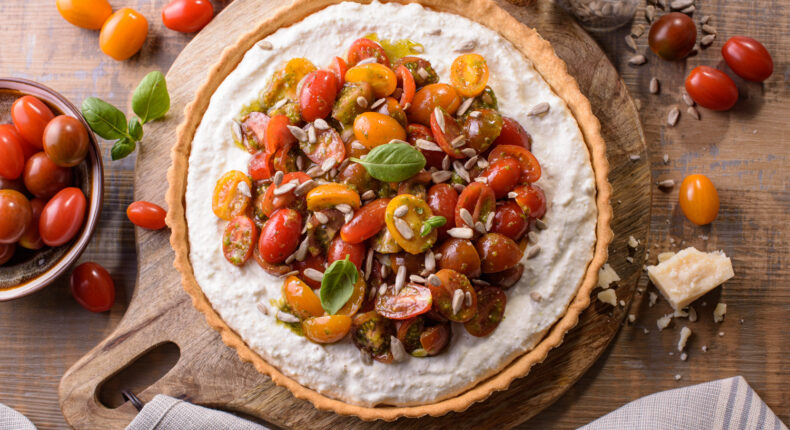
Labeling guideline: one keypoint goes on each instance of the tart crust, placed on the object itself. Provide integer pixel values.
(554, 72)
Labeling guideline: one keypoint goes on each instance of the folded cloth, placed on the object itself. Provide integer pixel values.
(13, 420)
(724, 404)
(168, 413)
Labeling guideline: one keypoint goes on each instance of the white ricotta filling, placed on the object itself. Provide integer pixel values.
(555, 273)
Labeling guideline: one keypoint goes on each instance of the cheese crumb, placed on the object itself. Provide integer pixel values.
(632, 242)
(684, 356)
(606, 276)
(664, 321)
(692, 314)
(678, 377)
(631, 317)
(681, 313)
(653, 299)
(622, 303)
(664, 256)
(689, 274)
(704, 348)
(718, 313)
(685, 333)
(608, 296)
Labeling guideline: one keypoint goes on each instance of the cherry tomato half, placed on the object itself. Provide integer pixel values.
(410, 301)
(239, 240)
(317, 95)
(497, 252)
(15, 215)
(428, 98)
(434, 339)
(491, 303)
(373, 129)
(280, 235)
(469, 74)
(339, 249)
(406, 80)
(366, 223)
(12, 155)
(461, 256)
(711, 88)
(380, 77)
(510, 221)
(672, 36)
(513, 133)
(502, 176)
(442, 199)
(89, 14)
(530, 167)
(301, 299)
(92, 287)
(338, 68)
(532, 200)
(66, 141)
(479, 200)
(371, 333)
(448, 134)
(748, 58)
(43, 178)
(409, 236)
(327, 329)
(123, 34)
(452, 281)
(187, 16)
(31, 116)
(419, 131)
(232, 195)
(328, 144)
(62, 217)
(482, 128)
(699, 199)
(365, 48)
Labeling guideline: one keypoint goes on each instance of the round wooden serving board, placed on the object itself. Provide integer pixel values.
(210, 374)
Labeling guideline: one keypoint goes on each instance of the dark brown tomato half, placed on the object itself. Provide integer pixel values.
(478, 199)
(412, 300)
(419, 131)
(513, 133)
(491, 303)
(506, 278)
(272, 269)
(482, 129)
(371, 333)
(442, 199)
(316, 262)
(433, 339)
(328, 144)
(460, 255)
(497, 252)
(417, 185)
(415, 263)
(357, 177)
(392, 108)
(452, 281)
(409, 332)
(414, 64)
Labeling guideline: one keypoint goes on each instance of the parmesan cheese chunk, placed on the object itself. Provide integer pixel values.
(718, 313)
(685, 333)
(689, 274)
(608, 296)
(606, 276)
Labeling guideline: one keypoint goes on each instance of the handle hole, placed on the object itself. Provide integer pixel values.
(140, 374)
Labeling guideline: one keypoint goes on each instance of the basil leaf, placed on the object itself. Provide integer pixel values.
(104, 119)
(150, 100)
(337, 285)
(431, 223)
(122, 148)
(135, 129)
(393, 162)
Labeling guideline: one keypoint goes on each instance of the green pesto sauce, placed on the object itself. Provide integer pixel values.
(283, 306)
(397, 49)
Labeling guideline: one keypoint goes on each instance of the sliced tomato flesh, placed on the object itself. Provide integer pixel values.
(410, 301)
(449, 134)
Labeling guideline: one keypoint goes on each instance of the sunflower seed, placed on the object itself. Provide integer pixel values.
(291, 273)
(286, 317)
(300, 163)
(321, 217)
(328, 164)
(482, 163)
(466, 217)
(441, 176)
(439, 116)
(369, 60)
(680, 4)
(417, 278)
(539, 109)
(480, 227)
(629, 41)
(458, 142)
(403, 228)
(384, 271)
(480, 282)
(475, 114)
(460, 171)
(321, 124)
(637, 60)
(650, 13)
(458, 300)
(236, 131)
(704, 20)
(536, 296)
(430, 261)
(423, 73)
(378, 103)
(490, 221)
(689, 10)
(290, 258)
(446, 162)
(666, 184)
(533, 251)
(540, 224)
(280, 103)
(265, 45)
(434, 280)
(400, 278)
(284, 189)
(347, 134)
(345, 208)
(707, 28)
(707, 40)
(664, 4)
(313, 274)
(666, 156)
(362, 102)
(512, 195)
(461, 232)
(383, 289)
(688, 100)
(368, 195)
(470, 162)
(468, 298)
(369, 264)
(305, 188)
(263, 309)
(468, 46)
(357, 145)
(427, 145)
(481, 179)
(672, 116)
(298, 133)
(693, 112)
(400, 211)
(469, 152)
(459, 187)
(365, 357)
(398, 351)
(637, 31)
(464, 106)
(533, 237)
(634, 157)
(301, 251)
(654, 86)
(244, 189)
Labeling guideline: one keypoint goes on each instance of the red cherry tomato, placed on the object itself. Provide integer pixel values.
(238, 240)
(15, 215)
(317, 94)
(366, 48)
(419, 131)
(43, 178)
(32, 239)
(16, 185)
(452, 132)
(699, 199)
(146, 215)
(311, 261)
(10, 132)
(261, 166)
(711, 88)
(479, 200)
(510, 220)
(491, 303)
(366, 223)
(270, 202)
(513, 134)
(338, 67)
(328, 144)
(6, 252)
(748, 58)
(497, 252)
(277, 133)
(442, 199)
(66, 141)
(410, 301)
(502, 175)
(31, 116)
(62, 216)
(92, 287)
(339, 249)
(406, 80)
(187, 16)
(12, 156)
(280, 235)
(532, 200)
(530, 167)
(672, 36)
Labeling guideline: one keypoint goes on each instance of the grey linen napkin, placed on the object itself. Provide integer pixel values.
(13, 420)
(167, 413)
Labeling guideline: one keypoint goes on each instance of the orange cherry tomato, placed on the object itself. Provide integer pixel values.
(354, 302)
(327, 329)
(330, 195)
(373, 129)
(15, 215)
(301, 299)
(530, 167)
(232, 195)
(92, 287)
(417, 213)
(428, 98)
(366, 223)
(365, 48)
(280, 235)
(123, 34)
(379, 76)
(407, 83)
(461, 256)
(699, 199)
(469, 74)
(146, 215)
(31, 116)
(90, 14)
(187, 16)
(62, 217)
(32, 239)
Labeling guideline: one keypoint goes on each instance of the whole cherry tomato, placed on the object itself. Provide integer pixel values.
(711, 88)
(491, 303)
(442, 199)
(6, 252)
(428, 98)
(238, 240)
(123, 34)
(43, 178)
(672, 36)
(373, 129)
(461, 256)
(62, 216)
(339, 249)
(31, 116)
(187, 16)
(317, 95)
(146, 215)
(66, 141)
(12, 156)
(280, 235)
(31, 239)
(469, 74)
(532, 200)
(8, 131)
(482, 128)
(699, 199)
(15, 215)
(89, 14)
(530, 167)
(510, 220)
(92, 287)
(513, 134)
(502, 176)
(366, 223)
(497, 252)
(365, 48)
(15, 184)
(748, 58)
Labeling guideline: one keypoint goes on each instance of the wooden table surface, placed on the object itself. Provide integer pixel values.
(744, 151)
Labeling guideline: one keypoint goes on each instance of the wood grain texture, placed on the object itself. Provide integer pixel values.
(744, 151)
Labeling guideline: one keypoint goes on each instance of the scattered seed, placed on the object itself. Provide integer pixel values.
(357, 145)
(468, 46)
(680, 4)
(345, 208)
(466, 217)
(482, 163)
(654, 86)
(291, 273)
(369, 60)
(637, 31)
(378, 103)
(427, 145)
(321, 217)
(512, 195)
(441, 176)
(461, 233)
(475, 114)
(243, 188)
(540, 224)
(417, 278)
(634, 157)
(630, 42)
(666, 158)
(298, 133)
(468, 298)
(439, 115)
(403, 228)
(384, 271)
(313, 274)
(458, 300)
(533, 237)
(533, 252)
(469, 152)
(398, 351)
(446, 162)
(480, 282)
(539, 109)
(707, 40)
(693, 112)
(286, 317)
(382, 289)
(666, 184)
(280, 103)
(434, 280)
(536, 296)
(460, 171)
(637, 60)
(328, 164)
(480, 227)
(284, 189)
(263, 309)
(629, 259)
(704, 20)
(459, 141)
(400, 278)
(362, 102)
(489, 221)
(301, 251)
(305, 188)
(464, 106)
(430, 261)
(673, 116)
(707, 28)
(400, 211)
(650, 13)
(459, 187)
(689, 10)
(369, 194)
(265, 45)
(481, 179)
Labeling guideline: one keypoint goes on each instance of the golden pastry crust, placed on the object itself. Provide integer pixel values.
(553, 70)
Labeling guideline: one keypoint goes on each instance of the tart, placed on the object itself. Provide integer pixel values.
(324, 146)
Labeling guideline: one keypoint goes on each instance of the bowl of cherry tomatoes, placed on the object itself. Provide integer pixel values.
(51, 186)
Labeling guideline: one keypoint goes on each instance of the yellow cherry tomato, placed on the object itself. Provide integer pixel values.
(416, 214)
(232, 195)
(330, 195)
(373, 129)
(327, 329)
(379, 76)
(123, 34)
(357, 298)
(699, 199)
(301, 298)
(285, 80)
(469, 74)
(90, 14)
